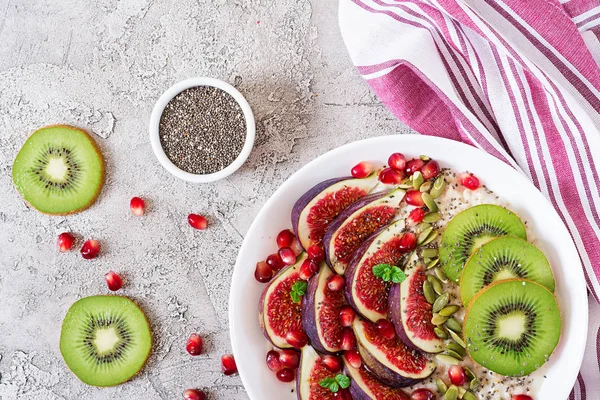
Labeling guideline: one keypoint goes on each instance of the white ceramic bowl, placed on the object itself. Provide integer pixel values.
(249, 344)
(155, 121)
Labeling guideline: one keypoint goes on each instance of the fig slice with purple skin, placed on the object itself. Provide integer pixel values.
(277, 312)
(366, 293)
(410, 312)
(390, 360)
(356, 223)
(365, 386)
(317, 208)
(321, 312)
(312, 370)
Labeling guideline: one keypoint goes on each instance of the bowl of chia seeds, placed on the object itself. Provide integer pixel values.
(202, 129)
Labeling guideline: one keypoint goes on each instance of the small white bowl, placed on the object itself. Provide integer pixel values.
(155, 122)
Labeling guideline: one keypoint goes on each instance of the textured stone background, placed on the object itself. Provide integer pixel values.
(101, 65)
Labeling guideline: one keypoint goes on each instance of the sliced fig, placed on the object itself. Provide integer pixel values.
(410, 312)
(309, 374)
(321, 312)
(277, 312)
(365, 386)
(316, 209)
(356, 223)
(366, 293)
(390, 360)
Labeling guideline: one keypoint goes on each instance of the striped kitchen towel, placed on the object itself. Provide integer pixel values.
(516, 78)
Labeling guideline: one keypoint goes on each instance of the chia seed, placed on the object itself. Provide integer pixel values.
(202, 130)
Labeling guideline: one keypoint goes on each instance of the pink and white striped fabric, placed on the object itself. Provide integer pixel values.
(517, 78)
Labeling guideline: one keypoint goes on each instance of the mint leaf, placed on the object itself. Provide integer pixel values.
(387, 273)
(295, 297)
(298, 290)
(398, 276)
(330, 383)
(343, 381)
(380, 269)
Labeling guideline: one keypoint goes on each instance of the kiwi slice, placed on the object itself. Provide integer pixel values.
(472, 228)
(59, 170)
(504, 258)
(512, 327)
(105, 340)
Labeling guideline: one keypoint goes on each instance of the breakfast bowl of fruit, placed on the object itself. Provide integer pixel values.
(408, 267)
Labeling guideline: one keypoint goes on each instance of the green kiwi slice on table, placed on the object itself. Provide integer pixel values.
(105, 340)
(59, 170)
(472, 228)
(512, 327)
(504, 258)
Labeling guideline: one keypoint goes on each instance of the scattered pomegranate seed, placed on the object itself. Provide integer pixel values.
(362, 169)
(275, 262)
(285, 238)
(137, 206)
(332, 363)
(416, 216)
(308, 269)
(296, 247)
(336, 283)
(342, 394)
(386, 329)
(408, 242)
(90, 249)
(113, 280)
(316, 253)
(521, 397)
(430, 170)
(414, 198)
(353, 358)
(390, 176)
(286, 375)
(287, 255)
(65, 242)
(228, 365)
(468, 180)
(397, 161)
(297, 339)
(194, 345)
(194, 394)
(422, 394)
(348, 339)
(347, 315)
(414, 165)
(263, 273)
(289, 359)
(457, 375)
(197, 221)
(273, 361)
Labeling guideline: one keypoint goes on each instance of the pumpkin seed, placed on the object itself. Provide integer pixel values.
(437, 319)
(438, 187)
(433, 263)
(425, 187)
(429, 202)
(449, 310)
(470, 375)
(417, 180)
(426, 260)
(441, 302)
(430, 238)
(440, 274)
(453, 325)
(457, 348)
(454, 354)
(457, 338)
(423, 226)
(429, 292)
(424, 235)
(424, 157)
(430, 253)
(441, 386)
(432, 216)
(440, 332)
(436, 283)
(469, 396)
(405, 186)
(461, 392)
(451, 393)
(475, 384)
(446, 359)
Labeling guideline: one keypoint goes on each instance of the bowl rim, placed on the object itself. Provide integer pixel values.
(173, 91)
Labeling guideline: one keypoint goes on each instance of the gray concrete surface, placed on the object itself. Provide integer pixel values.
(101, 65)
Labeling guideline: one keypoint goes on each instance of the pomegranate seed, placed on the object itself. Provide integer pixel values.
(430, 170)
(297, 339)
(414, 165)
(228, 365)
(113, 280)
(468, 180)
(336, 283)
(456, 375)
(422, 394)
(286, 375)
(390, 176)
(275, 262)
(197, 221)
(386, 329)
(65, 242)
(332, 363)
(194, 394)
(308, 269)
(397, 161)
(414, 198)
(90, 249)
(263, 273)
(296, 247)
(289, 359)
(194, 345)
(353, 358)
(348, 339)
(521, 397)
(416, 216)
(362, 169)
(342, 394)
(408, 242)
(137, 206)
(287, 255)
(316, 253)
(273, 361)
(347, 315)
(285, 238)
